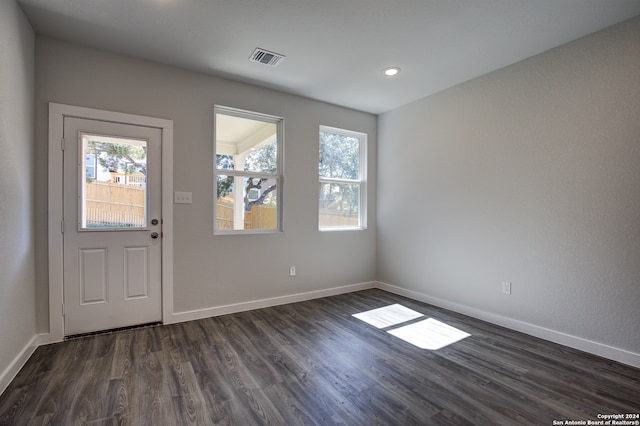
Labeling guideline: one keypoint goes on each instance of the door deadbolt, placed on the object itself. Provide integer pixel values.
(154, 221)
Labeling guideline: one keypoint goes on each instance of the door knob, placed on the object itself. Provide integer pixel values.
(154, 235)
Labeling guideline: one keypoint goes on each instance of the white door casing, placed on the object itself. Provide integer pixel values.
(57, 115)
(112, 236)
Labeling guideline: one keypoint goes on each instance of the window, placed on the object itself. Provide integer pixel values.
(113, 191)
(247, 172)
(90, 166)
(342, 171)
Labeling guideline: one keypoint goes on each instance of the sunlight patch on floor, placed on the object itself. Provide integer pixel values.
(388, 316)
(427, 334)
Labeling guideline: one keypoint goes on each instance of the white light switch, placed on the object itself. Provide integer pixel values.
(182, 198)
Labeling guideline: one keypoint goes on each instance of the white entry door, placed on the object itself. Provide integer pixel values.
(112, 228)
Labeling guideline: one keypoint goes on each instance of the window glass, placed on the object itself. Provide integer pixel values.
(339, 156)
(342, 179)
(114, 182)
(248, 172)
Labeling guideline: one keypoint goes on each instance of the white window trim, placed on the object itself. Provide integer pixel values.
(362, 211)
(279, 175)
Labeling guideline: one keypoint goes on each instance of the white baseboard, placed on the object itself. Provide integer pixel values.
(18, 362)
(265, 303)
(595, 348)
(48, 338)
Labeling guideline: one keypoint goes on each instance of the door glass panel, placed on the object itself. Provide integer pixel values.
(113, 182)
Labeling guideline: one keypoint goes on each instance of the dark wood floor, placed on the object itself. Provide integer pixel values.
(313, 363)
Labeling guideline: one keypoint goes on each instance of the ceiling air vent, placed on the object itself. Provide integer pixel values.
(266, 57)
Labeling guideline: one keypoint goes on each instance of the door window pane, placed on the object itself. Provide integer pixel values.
(113, 173)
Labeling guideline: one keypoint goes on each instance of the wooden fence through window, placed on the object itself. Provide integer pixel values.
(115, 205)
(260, 217)
(330, 218)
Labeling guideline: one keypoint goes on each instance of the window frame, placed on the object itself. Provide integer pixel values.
(361, 181)
(278, 175)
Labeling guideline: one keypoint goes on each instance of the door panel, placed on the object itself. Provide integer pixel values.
(112, 247)
(93, 276)
(136, 269)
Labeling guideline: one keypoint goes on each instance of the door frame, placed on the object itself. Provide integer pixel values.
(57, 114)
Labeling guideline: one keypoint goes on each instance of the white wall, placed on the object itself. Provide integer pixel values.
(530, 174)
(17, 276)
(212, 271)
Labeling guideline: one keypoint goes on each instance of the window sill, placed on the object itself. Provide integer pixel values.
(338, 228)
(248, 232)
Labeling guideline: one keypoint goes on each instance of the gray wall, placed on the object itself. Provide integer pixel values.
(529, 174)
(213, 271)
(17, 277)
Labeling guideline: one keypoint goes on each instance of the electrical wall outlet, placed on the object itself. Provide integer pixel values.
(292, 271)
(182, 198)
(506, 287)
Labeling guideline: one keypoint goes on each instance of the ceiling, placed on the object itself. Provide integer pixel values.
(335, 50)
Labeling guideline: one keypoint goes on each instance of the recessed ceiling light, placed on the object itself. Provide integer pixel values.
(389, 72)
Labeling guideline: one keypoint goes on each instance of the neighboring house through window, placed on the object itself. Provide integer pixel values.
(90, 164)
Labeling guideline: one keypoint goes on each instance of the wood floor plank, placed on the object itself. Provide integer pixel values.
(313, 363)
